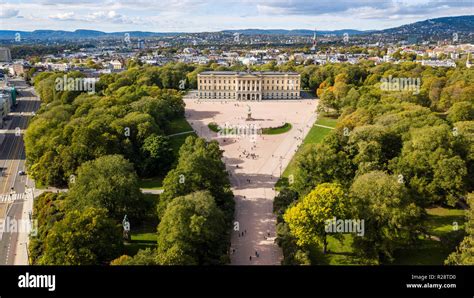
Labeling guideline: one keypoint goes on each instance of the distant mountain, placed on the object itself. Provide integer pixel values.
(296, 32)
(434, 28)
(78, 34)
(461, 24)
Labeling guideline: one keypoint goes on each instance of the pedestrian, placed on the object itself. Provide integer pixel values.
(256, 254)
(250, 258)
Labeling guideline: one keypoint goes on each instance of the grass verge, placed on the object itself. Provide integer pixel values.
(277, 130)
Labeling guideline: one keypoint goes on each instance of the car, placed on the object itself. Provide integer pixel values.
(21, 173)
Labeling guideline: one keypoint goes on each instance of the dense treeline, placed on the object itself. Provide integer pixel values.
(195, 210)
(125, 116)
(82, 227)
(352, 86)
(99, 145)
(28, 51)
(392, 155)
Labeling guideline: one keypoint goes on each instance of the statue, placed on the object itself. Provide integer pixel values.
(126, 229)
(249, 113)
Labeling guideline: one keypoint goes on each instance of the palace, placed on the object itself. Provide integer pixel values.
(232, 85)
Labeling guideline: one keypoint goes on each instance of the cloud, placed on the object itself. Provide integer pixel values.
(302, 7)
(111, 16)
(6, 13)
(67, 16)
(214, 15)
(380, 9)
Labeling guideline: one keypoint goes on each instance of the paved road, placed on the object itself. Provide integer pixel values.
(12, 160)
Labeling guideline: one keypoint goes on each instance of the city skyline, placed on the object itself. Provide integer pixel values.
(205, 16)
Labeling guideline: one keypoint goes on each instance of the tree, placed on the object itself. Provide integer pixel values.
(86, 237)
(108, 182)
(372, 147)
(192, 231)
(464, 139)
(430, 166)
(75, 127)
(47, 210)
(319, 164)
(461, 111)
(158, 156)
(200, 167)
(142, 258)
(284, 198)
(307, 219)
(464, 254)
(390, 217)
(328, 100)
(350, 100)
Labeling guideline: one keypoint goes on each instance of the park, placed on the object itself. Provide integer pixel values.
(254, 163)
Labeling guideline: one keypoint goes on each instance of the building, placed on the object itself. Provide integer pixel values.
(248, 85)
(18, 69)
(5, 104)
(115, 64)
(58, 66)
(438, 63)
(5, 55)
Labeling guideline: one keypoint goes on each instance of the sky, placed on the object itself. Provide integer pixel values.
(216, 15)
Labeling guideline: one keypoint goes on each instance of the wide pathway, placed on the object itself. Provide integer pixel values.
(254, 163)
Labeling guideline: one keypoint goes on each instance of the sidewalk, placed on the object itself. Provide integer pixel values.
(5, 128)
(21, 247)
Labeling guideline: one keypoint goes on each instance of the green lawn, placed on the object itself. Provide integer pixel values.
(177, 126)
(174, 127)
(151, 183)
(144, 234)
(339, 252)
(314, 136)
(440, 220)
(277, 130)
(141, 240)
(439, 223)
(213, 127)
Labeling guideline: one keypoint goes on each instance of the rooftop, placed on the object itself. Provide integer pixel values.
(242, 73)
